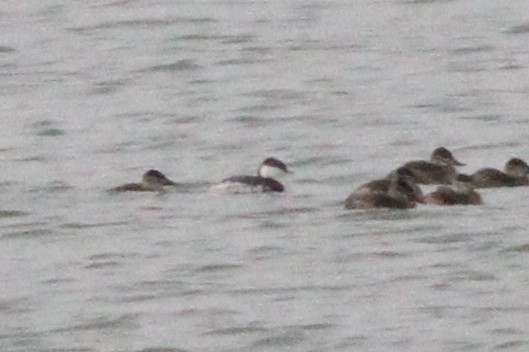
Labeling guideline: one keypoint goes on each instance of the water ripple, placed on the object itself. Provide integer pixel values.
(162, 349)
(47, 128)
(307, 288)
(12, 213)
(15, 306)
(511, 344)
(28, 234)
(517, 249)
(81, 226)
(473, 49)
(445, 239)
(427, 2)
(6, 49)
(518, 29)
(56, 186)
(237, 330)
(180, 65)
(69, 349)
(281, 339)
(145, 23)
(471, 275)
(121, 322)
(217, 267)
(108, 87)
(239, 61)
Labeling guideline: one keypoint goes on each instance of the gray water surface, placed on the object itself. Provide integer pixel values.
(94, 93)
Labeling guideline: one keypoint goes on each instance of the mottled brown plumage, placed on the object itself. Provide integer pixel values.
(461, 192)
(439, 170)
(153, 180)
(515, 174)
(413, 192)
(397, 192)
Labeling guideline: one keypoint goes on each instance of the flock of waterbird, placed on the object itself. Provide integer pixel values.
(400, 189)
(154, 180)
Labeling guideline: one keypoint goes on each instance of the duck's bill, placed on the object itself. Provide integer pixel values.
(168, 182)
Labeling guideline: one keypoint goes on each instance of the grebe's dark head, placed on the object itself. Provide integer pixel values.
(155, 177)
(444, 157)
(271, 167)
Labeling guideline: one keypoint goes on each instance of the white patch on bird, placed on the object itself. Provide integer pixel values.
(234, 187)
(270, 171)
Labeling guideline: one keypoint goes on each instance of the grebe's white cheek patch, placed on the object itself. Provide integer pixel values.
(270, 171)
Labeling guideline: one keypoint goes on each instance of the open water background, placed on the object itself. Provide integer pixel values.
(94, 93)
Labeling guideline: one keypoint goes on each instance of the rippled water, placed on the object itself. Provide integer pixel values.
(96, 92)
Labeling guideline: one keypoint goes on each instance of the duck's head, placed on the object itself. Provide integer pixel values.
(156, 178)
(403, 180)
(517, 167)
(401, 185)
(444, 157)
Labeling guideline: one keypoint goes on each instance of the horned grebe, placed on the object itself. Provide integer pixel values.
(263, 181)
